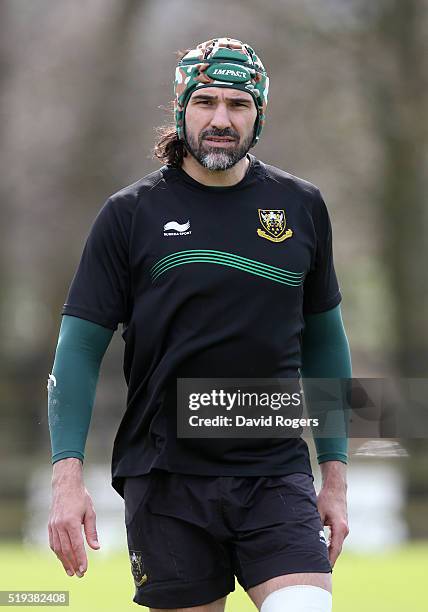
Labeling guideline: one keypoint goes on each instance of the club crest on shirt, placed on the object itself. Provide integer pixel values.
(137, 567)
(273, 223)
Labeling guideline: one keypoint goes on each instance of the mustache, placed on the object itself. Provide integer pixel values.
(220, 134)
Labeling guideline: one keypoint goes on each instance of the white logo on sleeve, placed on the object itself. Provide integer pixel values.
(51, 382)
(173, 228)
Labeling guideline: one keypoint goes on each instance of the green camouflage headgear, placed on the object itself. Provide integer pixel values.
(221, 62)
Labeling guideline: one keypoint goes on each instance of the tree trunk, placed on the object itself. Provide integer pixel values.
(396, 82)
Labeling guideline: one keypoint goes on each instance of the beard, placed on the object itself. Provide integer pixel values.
(217, 158)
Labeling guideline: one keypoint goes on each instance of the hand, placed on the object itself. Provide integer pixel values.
(71, 507)
(332, 507)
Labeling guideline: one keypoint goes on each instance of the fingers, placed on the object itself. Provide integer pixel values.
(77, 545)
(71, 506)
(339, 531)
(55, 544)
(67, 543)
(89, 525)
(51, 544)
(67, 554)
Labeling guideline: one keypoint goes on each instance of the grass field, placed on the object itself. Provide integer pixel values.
(391, 582)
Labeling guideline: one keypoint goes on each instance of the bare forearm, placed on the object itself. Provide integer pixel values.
(66, 471)
(334, 474)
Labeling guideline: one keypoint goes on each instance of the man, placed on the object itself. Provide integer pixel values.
(218, 266)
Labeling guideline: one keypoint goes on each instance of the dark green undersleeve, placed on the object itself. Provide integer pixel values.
(325, 354)
(71, 390)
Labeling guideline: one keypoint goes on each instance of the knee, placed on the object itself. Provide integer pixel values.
(298, 598)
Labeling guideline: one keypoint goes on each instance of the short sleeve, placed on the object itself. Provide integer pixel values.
(321, 288)
(100, 289)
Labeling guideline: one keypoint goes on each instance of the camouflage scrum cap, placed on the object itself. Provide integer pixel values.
(221, 62)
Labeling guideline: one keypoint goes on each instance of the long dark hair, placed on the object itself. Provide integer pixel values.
(168, 148)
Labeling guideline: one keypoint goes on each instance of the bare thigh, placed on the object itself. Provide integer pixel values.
(259, 592)
(214, 606)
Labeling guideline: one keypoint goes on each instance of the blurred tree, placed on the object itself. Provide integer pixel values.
(90, 168)
(10, 495)
(6, 209)
(87, 172)
(395, 78)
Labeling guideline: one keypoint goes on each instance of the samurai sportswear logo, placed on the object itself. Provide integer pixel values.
(173, 228)
(137, 567)
(274, 223)
(322, 537)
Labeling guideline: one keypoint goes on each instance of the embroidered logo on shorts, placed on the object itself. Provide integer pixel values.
(273, 221)
(322, 537)
(137, 567)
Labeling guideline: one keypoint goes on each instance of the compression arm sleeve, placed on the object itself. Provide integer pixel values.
(325, 354)
(72, 384)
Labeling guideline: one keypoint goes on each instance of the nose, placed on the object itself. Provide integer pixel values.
(221, 119)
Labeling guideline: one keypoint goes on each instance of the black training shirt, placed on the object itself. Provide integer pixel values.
(206, 285)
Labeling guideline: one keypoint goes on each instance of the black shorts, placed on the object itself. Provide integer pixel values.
(188, 536)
